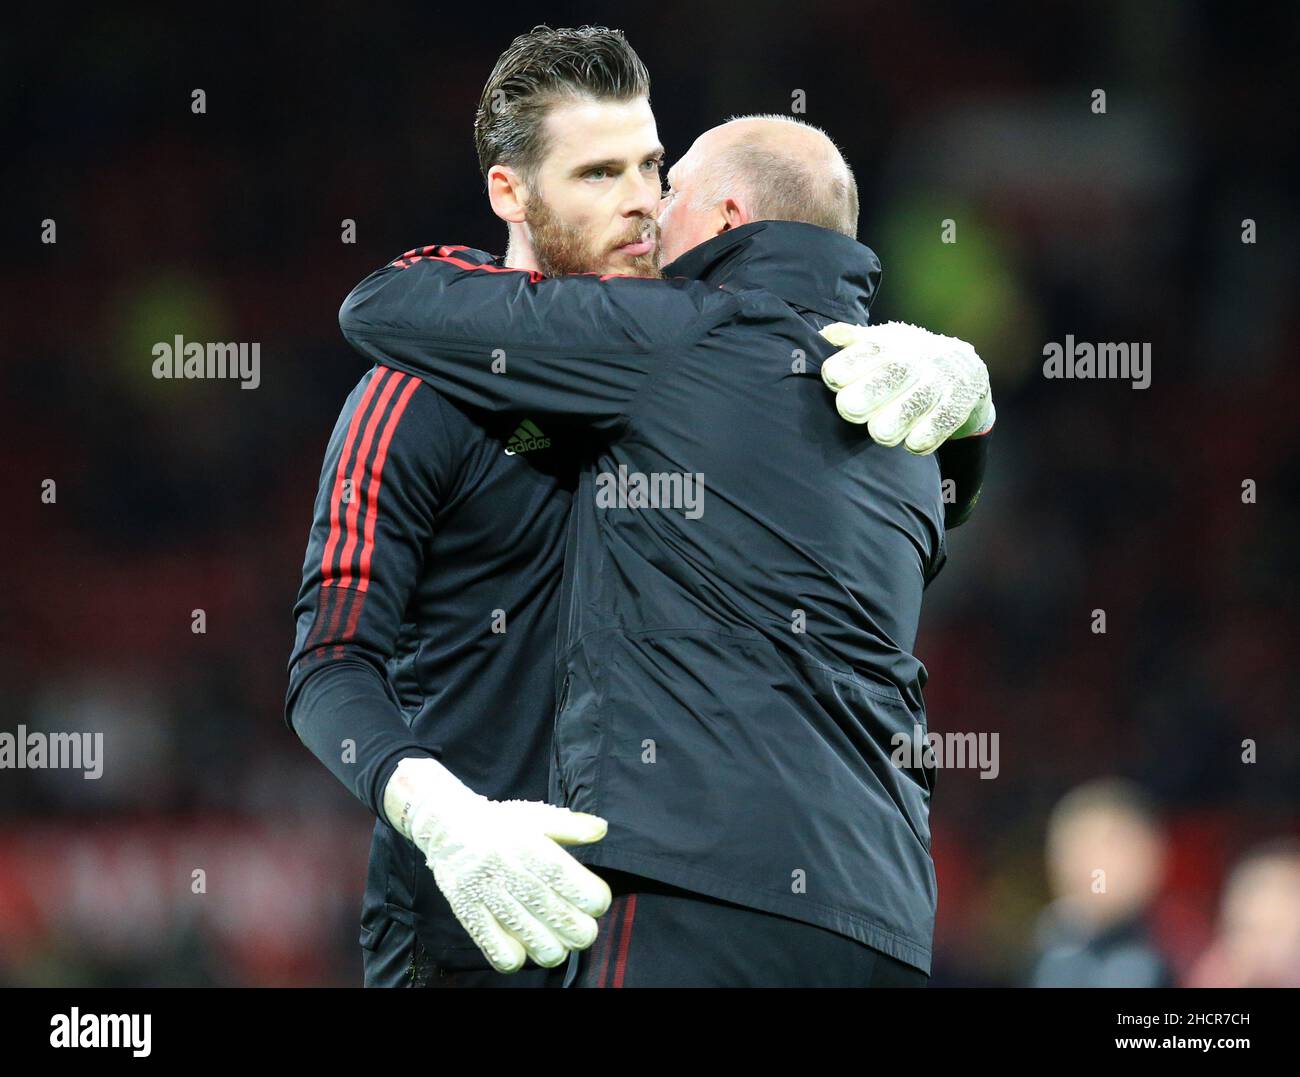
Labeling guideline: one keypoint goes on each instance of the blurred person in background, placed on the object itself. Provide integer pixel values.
(1258, 940)
(1105, 851)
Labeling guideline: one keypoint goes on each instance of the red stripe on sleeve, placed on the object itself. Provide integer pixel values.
(442, 254)
(534, 276)
(342, 600)
(358, 469)
(333, 541)
(376, 484)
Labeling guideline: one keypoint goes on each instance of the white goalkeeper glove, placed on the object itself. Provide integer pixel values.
(500, 864)
(905, 382)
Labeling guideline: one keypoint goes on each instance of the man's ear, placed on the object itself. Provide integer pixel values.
(733, 214)
(507, 193)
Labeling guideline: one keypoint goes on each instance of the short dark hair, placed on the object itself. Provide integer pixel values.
(539, 69)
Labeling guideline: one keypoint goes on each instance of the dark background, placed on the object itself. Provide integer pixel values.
(181, 495)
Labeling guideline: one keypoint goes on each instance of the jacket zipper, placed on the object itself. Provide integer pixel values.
(555, 745)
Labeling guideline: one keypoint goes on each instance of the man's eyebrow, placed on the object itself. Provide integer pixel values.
(614, 162)
(587, 166)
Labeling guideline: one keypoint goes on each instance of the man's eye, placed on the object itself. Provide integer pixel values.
(598, 173)
(653, 164)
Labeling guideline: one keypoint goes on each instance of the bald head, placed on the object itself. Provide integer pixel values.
(757, 168)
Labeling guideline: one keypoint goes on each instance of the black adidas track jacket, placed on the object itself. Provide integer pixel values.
(426, 618)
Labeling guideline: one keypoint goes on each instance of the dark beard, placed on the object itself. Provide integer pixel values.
(561, 248)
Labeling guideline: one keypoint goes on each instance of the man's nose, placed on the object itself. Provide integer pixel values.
(643, 197)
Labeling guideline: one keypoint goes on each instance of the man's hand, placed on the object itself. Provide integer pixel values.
(500, 864)
(905, 382)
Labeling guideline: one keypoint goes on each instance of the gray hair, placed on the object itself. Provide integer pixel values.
(777, 186)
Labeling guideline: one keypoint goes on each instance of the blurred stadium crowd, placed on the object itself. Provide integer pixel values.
(176, 496)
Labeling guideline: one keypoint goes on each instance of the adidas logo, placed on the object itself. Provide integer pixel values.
(527, 439)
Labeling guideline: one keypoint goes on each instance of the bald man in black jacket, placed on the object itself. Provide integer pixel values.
(742, 592)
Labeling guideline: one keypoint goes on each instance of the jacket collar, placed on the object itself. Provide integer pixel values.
(808, 267)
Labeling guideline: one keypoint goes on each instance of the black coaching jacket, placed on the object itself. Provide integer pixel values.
(744, 570)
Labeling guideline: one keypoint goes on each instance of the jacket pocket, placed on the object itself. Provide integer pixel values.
(892, 737)
(576, 739)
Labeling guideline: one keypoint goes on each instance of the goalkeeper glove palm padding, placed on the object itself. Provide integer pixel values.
(500, 864)
(908, 384)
